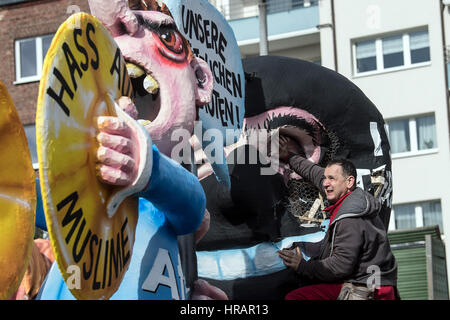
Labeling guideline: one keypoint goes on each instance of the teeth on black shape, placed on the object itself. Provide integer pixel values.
(291, 120)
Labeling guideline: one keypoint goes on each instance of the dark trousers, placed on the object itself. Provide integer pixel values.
(330, 291)
(323, 291)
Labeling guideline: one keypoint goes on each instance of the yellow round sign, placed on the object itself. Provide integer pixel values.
(83, 74)
(17, 198)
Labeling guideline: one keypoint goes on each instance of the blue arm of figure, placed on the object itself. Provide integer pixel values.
(40, 215)
(177, 193)
(171, 189)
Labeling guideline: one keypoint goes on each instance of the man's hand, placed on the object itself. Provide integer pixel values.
(204, 291)
(117, 155)
(291, 258)
(287, 146)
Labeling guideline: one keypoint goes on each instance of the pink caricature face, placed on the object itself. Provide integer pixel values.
(169, 83)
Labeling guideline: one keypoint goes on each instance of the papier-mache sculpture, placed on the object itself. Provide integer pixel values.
(328, 116)
(95, 158)
(86, 88)
(17, 198)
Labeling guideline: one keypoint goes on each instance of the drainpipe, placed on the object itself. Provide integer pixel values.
(443, 5)
(263, 41)
(330, 11)
(333, 22)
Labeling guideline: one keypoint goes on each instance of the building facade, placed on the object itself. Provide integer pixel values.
(27, 30)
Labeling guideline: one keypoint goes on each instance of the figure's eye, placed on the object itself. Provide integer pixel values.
(172, 45)
(172, 41)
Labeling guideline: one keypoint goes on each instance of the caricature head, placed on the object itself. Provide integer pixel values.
(169, 81)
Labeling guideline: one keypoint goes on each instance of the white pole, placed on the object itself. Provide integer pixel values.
(263, 42)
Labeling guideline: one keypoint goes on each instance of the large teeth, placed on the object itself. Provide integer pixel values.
(134, 71)
(144, 122)
(151, 85)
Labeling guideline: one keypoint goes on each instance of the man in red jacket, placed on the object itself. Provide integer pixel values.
(356, 242)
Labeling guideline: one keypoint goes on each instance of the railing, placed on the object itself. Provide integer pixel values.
(239, 9)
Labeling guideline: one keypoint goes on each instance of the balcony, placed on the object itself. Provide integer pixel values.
(290, 23)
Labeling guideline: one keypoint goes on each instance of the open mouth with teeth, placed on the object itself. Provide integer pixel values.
(315, 142)
(302, 128)
(146, 92)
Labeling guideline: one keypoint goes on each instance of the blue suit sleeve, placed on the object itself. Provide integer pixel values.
(40, 215)
(176, 192)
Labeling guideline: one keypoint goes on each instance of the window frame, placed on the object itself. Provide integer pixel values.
(418, 214)
(412, 121)
(38, 40)
(379, 54)
(33, 126)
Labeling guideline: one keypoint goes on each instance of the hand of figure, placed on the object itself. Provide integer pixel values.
(204, 291)
(117, 154)
(291, 258)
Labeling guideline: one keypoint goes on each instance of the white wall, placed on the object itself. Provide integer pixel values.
(326, 34)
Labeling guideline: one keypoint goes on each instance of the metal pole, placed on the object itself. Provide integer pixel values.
(333, 22)
(263, 41)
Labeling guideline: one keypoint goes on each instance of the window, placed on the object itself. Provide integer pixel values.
(399, 136)
(30, 54)
(366, 56)
(426, 132)
(30, 132)
(405, 216)
(412, 135)
(393, 52)
(386, 53)
(420, 49)
(274, 6)
(415, 215)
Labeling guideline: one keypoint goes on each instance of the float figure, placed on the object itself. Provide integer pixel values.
(169, 83)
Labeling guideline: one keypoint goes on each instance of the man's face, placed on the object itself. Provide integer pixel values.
(336, 184)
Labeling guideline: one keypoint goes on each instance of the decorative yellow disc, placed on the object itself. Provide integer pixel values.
(83, 74)
(17, 198)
